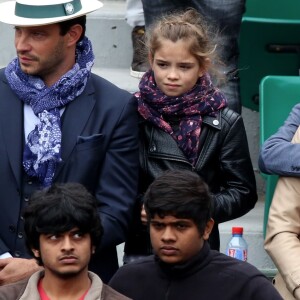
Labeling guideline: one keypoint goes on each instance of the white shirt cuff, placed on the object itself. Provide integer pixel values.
(5, 255)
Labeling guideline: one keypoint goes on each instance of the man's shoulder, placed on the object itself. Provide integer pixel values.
(233, 267)
(13, 291)
(109, 293)
(108, 94)
(2, 74)
(102, 83)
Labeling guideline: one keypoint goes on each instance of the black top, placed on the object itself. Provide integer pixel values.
(209, 275)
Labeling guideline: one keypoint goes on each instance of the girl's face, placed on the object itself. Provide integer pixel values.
(175, 69)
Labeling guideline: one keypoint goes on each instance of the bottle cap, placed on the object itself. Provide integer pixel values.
(237, 230)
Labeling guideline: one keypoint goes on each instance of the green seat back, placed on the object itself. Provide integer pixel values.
(267, 47)
(278, 95)
(275, 9)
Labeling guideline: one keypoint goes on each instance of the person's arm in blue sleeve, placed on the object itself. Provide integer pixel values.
(277, 154)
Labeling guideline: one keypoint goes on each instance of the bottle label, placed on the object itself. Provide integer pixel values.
(240, 254)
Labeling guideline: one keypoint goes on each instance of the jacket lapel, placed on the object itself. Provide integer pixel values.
(74, 120)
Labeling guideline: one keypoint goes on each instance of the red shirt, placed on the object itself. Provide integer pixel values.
(44, 296)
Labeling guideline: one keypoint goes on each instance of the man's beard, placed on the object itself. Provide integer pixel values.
(67, 274)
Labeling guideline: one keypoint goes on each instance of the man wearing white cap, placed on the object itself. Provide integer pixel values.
(61, 123)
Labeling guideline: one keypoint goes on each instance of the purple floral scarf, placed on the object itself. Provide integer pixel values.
(42, 151)
(203, 99)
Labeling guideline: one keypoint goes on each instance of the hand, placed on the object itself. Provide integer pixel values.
(14, 269)
(143, 216)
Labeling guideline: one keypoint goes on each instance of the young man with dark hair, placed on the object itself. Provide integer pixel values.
(179, 208)
(63, 230)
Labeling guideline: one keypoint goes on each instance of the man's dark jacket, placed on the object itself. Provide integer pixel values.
(99, 150)
(209, 275)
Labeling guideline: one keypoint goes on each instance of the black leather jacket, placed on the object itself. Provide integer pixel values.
(224, 163)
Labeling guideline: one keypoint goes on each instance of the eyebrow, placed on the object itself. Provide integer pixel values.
(160, 60)
(187, 63)
(180, 221)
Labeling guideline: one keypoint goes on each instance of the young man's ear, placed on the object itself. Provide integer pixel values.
(208, 228)
(35, 252)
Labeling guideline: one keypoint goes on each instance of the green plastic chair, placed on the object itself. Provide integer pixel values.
(274, 9)
(266, 23)
(278, 95)
(267, 47)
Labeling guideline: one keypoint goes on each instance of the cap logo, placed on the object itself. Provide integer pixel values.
(47, 11)
(69, 8)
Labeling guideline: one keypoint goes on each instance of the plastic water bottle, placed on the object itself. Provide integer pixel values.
(237, 246)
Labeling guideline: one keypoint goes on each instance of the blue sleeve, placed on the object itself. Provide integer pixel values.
(277, 154)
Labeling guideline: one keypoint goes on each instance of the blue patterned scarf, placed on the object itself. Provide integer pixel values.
(156, 107)
(42, 151)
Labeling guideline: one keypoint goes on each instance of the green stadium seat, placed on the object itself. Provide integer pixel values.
(278, 95)
(267, 47)
(274, 9)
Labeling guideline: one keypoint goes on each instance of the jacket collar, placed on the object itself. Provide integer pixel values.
(31, 291)
(215, 122)
(190, 267)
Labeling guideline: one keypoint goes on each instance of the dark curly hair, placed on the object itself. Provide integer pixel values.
(59, 209)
